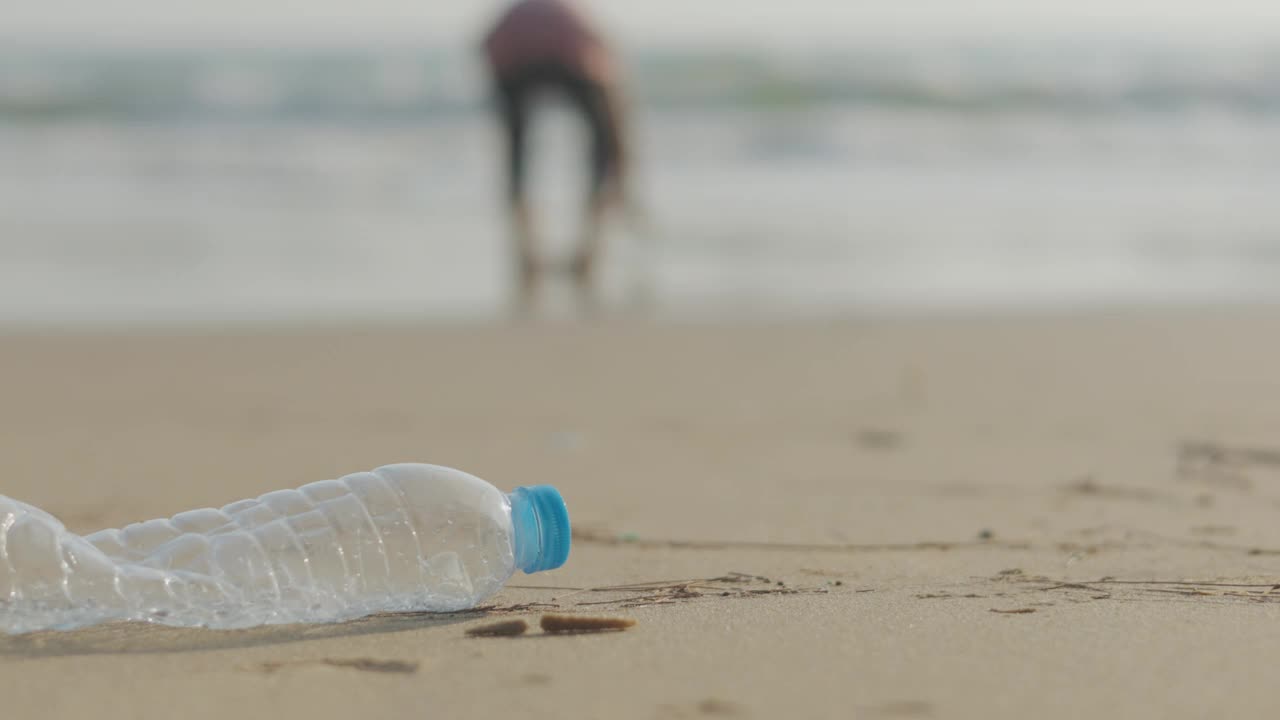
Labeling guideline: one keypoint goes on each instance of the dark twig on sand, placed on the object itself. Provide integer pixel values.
(552, 623)
(1254, 592)
(662, 592)
(506, 628)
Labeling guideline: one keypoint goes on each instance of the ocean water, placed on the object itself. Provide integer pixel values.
(221, 186)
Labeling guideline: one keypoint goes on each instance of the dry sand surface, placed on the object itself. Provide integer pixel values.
(880, 518)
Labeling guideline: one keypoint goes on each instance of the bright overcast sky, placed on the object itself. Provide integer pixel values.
(636, 21)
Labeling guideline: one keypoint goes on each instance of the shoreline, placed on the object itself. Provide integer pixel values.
(709, 314)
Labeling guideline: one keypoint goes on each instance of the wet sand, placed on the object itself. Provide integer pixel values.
(877, 517)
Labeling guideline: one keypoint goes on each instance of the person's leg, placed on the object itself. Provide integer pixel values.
(598, 108)
(513, 101)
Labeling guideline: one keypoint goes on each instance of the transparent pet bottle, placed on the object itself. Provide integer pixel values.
(408, 537)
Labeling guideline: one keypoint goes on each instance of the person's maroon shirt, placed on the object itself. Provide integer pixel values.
(538, 31)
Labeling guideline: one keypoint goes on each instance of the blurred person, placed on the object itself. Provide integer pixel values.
(541, 45)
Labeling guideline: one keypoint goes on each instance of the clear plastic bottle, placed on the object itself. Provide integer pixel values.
(398, 538)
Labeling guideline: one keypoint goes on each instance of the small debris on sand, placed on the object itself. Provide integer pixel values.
(363, 664)
(552, 623)
(373, 665)
(506, 628)
(879, 439)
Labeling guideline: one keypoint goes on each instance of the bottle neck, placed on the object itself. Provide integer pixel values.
(526, 538)
(540, 528)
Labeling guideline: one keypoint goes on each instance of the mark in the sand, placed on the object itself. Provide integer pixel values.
(373, 665)
(601, 537)
(667, 592)
(535, 679)
(1136, 537)
(879, 439)
(1174, 590)
(819, 572)
(714, 707)
(900, 708)
(1212, 463)
(1213, 530)
(1029, 593)
(363, 664)
(1089, 486)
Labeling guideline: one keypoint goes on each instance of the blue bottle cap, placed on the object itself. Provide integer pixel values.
(542, 533)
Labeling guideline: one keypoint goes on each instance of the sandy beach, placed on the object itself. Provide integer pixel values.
(898, 517)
